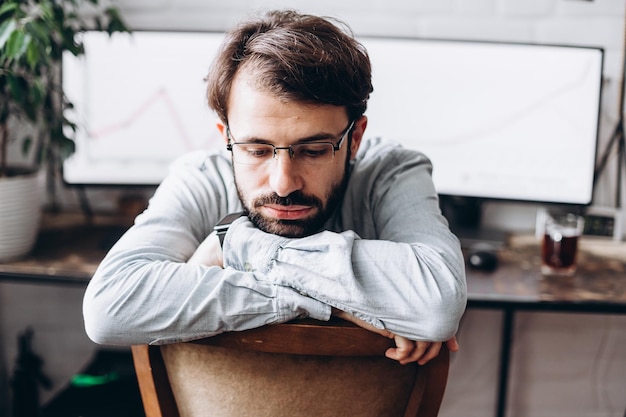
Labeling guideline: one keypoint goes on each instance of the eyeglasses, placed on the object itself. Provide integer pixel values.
(308, 153)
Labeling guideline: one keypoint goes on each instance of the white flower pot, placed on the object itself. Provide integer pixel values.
(20, 215)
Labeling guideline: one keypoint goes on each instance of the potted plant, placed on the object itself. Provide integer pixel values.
(34, 35)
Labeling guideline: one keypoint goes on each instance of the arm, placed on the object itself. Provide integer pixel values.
(144, 291)
(382, 283)
(403, 272)
(406, 351)
(393, 201)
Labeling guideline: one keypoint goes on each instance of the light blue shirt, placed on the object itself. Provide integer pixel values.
(386, 256)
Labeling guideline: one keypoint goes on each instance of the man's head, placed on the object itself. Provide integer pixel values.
(283, 80)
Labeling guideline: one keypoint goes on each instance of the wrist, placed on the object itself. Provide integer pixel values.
(221, 228)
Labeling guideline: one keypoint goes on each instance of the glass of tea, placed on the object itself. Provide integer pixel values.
(560, 243)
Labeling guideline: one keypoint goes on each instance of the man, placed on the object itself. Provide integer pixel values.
(335, 224)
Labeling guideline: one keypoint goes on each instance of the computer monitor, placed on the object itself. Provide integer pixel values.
(502, 121)
(140, 101)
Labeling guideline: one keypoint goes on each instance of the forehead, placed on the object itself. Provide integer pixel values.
(253, 112)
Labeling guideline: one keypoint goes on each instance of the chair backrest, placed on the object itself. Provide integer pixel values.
(304, 368)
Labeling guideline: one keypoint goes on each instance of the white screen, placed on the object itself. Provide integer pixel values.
(501, 121)
(141, 102)
(498, 120)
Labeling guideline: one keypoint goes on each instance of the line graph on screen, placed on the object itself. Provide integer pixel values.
(143, 112)
(138, 107)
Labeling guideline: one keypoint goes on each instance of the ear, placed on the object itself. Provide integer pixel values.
(357, 135)
(222, 129)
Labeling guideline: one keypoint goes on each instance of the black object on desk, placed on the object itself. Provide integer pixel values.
(483, 260)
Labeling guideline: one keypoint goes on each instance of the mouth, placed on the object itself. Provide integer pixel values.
(291, 212)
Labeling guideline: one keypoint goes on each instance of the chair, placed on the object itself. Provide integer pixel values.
(302, 368)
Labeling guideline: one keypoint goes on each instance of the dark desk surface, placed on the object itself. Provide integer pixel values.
(68, 251)
(599, 283)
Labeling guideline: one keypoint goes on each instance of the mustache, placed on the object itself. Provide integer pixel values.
(296, 198)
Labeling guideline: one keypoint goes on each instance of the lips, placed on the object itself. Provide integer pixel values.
(291, 212)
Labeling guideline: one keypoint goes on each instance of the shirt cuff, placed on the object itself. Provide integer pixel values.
(290, 301)
(249, 249)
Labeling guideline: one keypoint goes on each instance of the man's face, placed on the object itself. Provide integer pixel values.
(283, 196)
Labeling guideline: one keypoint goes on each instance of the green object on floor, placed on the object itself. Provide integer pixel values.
(86, 380)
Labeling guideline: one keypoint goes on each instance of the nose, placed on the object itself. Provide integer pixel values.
(285, 176)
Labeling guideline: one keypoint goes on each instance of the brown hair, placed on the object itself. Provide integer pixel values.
(295, 57)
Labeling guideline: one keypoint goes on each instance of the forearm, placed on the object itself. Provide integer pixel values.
(410, 290)
(135, 298)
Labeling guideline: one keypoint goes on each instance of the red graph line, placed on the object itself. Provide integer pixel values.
(160, 95)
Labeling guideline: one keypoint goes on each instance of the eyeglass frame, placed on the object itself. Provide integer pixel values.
(337, 147)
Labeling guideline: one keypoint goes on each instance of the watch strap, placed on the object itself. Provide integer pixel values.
(222, 226)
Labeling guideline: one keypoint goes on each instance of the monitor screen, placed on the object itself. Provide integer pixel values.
(500, 121)
(140, 101)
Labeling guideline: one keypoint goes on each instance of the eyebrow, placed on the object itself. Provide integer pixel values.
(319, 137)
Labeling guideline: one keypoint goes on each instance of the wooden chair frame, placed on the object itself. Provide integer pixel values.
(306, 337)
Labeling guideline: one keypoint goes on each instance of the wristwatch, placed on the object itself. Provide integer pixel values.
(222, 226)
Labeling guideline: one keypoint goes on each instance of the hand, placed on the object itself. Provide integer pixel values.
(209, 252)
(407, 351)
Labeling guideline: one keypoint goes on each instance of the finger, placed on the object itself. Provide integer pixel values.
(421, 349)
(418, 351)
(431, 353)
(453, 344)
(404, 347)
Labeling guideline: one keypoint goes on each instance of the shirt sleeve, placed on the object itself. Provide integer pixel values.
(145, 292)
(396, 286)
(391, 261)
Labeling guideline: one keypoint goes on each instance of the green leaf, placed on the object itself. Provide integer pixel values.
(116, 23)
(6, 29)
(37, 92)
(39, 31)
(33, 36)
(19, 92)
(5, 8)
(16, 45)
(32, 54)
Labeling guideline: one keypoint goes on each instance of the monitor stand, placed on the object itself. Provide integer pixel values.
(464, 215)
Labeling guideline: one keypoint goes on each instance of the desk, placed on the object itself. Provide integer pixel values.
(68, 252)
(599, 286)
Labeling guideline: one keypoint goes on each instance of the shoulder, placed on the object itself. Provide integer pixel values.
(197, 191)
(202, 173)
(379, 153)
(202, 160)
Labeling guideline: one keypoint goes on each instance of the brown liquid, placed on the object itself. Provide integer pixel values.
(560, 254)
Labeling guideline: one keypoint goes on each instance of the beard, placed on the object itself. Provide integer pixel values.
(295, 228)
(302, 227)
